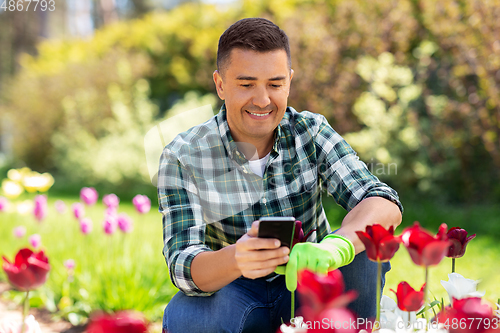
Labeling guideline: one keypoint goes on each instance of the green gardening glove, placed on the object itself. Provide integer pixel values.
(332, 252)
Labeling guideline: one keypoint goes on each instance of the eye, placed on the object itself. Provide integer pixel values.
(246, 85)
(275, 85)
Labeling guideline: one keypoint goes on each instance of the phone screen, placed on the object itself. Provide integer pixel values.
(281, 228)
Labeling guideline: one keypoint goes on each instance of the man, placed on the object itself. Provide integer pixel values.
(256, 158)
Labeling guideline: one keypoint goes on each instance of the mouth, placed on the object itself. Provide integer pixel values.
(259, 114)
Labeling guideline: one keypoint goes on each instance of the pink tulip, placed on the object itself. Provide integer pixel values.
(35, 240)
(109, 224)
(60, 206)
(125, 223)
(20, 231)
(142, 203)
(111, 211)
(86, 225)
(69, 264)
(40, 210)
(89, 195)
(4, 203)
(78, 210)
(111, 200)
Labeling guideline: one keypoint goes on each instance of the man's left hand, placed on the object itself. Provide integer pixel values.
(332, 252)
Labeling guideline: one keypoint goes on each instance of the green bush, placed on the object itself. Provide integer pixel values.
(450, 47)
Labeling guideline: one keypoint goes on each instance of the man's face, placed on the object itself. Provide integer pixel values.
(255, 88)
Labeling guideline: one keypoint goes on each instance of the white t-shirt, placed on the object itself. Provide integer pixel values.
(258, 166)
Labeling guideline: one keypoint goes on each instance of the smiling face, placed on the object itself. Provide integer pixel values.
(255, 88)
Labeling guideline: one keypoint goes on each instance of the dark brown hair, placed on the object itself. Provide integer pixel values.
(256, 34)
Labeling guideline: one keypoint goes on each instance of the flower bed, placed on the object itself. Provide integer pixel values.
(325, 302)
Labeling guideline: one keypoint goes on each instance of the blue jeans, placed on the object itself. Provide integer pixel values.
(261, 305)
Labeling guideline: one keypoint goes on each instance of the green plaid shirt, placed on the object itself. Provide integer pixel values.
(209, 197)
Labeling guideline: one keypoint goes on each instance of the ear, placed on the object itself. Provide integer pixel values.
(219, 85)
(290, 82)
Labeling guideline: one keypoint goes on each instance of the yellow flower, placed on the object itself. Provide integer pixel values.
(18, 175)
(38, 182)
(11, 189)
(49, 181)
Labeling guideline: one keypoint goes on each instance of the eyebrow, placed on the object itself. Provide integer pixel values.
(253, 78)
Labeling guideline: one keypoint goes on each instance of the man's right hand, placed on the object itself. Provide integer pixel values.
(257, 257)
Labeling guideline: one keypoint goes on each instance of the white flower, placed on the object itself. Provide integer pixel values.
(459, 287)
(297, 326)
(10, 326)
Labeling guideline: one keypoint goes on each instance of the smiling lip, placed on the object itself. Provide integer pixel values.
(257, 115)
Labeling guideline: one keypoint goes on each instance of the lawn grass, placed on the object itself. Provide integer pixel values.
(121, 271)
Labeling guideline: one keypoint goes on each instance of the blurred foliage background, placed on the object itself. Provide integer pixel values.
(414, 85)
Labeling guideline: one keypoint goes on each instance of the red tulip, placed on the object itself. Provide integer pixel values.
(29, 270)
(425, 249)
(408, 298)
(298, 236)
(459, 240)
(323, 300)
(467, 315)
(121, 322)
(334, 320)
(381, 245)
(319, 292)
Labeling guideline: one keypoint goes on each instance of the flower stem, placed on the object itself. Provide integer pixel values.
(453, 265)
(379, 291)
(426, 286)
(293, 305)
(26, 309)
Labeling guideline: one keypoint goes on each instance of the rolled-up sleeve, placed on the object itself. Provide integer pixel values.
(343, 175)
(183, 224)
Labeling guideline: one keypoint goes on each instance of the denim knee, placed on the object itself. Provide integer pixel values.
(361, 275)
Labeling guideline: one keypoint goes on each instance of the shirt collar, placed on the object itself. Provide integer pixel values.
(280, 137)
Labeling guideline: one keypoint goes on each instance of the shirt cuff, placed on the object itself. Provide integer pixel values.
(181, 271)
(388, 196)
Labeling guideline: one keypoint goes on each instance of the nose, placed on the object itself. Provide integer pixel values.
(261, 98)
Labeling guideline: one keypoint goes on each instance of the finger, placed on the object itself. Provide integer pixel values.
(254, 230)
(257, 273)
(270, 265)
(260, 257)
(291, 271)
(262, 243)
(281, 270)
(322, 267)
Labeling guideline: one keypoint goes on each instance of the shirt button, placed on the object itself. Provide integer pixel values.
(238, 153)
(264, 201)
(245, 170)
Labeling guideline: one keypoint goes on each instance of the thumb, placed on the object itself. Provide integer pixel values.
(254, 230)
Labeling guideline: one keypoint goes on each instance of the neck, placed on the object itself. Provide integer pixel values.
(256, 149)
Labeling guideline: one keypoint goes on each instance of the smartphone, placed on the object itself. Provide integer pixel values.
(279, 227)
